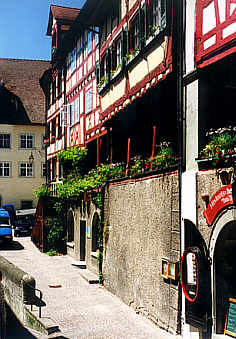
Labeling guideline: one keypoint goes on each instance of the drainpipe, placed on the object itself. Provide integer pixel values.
(180, 122)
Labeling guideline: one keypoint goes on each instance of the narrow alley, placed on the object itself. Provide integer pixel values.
(81, 310)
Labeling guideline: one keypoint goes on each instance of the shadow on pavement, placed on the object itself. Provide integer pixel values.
(13, 246)
(15, 329)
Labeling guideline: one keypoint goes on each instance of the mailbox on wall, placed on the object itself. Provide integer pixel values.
(169, 270)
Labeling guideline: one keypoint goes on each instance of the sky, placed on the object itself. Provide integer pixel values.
(23, 25)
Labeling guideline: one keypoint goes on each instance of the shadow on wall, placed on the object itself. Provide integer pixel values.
(11, 108)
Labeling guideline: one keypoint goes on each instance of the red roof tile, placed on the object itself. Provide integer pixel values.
(21, 77)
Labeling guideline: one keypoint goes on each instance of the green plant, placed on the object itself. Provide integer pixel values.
(103, 80)
(219, 146)
(152, 30)
(132, 52)
(43, 191)
(116, 69)
(74, 159)
(51, 252)
(56, 236)
(164, 159)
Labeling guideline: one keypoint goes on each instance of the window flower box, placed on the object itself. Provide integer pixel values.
(153, 32)
(131, 55)
(103, 82)
(46, 142)
(116, 71)
(220, 151)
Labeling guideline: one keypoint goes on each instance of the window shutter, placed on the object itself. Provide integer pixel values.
(163, 14)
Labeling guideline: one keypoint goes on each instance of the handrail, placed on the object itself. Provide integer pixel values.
(40, 298)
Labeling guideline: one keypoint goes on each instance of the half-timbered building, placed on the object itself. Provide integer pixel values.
(208, 183)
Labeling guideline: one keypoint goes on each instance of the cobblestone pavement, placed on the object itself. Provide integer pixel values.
(81, 310)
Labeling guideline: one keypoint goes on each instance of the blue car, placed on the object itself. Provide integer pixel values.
(5, 226)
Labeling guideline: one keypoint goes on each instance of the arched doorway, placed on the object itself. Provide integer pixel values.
(70, 226)
(95, 231)
(222, 252)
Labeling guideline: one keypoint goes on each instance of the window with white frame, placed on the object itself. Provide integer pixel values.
(88, 101)
(26, 169)
(5, 167)
(26, 141)
(5, 140)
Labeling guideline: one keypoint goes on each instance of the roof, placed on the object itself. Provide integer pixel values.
(61, 12)
(22, 99)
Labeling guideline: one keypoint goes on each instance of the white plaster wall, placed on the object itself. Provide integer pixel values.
(190, 35)
(191, 93)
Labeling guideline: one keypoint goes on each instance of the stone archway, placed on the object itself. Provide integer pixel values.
(222, 246)
(95, 232)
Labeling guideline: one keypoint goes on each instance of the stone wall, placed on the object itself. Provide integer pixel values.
(208, 182)
(141, 227)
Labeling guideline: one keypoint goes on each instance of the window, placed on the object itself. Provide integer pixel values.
(73, 57)
(90, 38)
(155, 14)
(88, 101)
(59, 127)
(44, 169)
(5, 140)
(26, 169)
(26, 204)
(54, 169)
(53, 126)
(96, 35)
(76, 110)
(54, 91)
(116, 55)
(134, 36)
(5, 169)
(26, 141)
(59, 82)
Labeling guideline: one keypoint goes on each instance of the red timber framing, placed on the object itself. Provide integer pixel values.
(153, 77)
(215, 30)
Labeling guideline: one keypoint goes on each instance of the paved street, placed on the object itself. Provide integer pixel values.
(81, 310)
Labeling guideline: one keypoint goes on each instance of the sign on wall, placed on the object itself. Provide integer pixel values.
(224, 197)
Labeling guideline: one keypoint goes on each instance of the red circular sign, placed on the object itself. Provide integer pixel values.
(190, 274)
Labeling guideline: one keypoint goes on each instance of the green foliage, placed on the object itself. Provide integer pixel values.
(74, 159)
(219, 146)
(43, 191)
(56, 236)
(164, 159)
(51, 252)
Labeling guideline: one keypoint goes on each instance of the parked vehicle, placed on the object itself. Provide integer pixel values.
(11, 210)
(24, 222)
(5, 226)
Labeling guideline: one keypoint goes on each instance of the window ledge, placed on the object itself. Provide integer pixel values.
(70, 244)
(94, 254)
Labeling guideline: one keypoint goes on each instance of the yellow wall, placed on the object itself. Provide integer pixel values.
(137, 73)
(15, 188)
